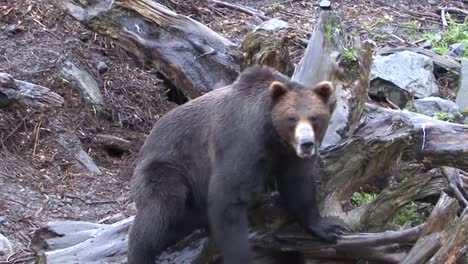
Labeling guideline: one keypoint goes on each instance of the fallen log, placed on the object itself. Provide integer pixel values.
(180, 48)
(26, 94)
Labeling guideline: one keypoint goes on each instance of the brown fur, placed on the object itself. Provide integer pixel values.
(203, 162)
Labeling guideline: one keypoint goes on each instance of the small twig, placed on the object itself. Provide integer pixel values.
(18, 126)
(36, 140)
(243, 9)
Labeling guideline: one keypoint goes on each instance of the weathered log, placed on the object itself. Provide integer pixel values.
(78, 242)
(180, 48)
(27, 94)
(381, 138)
(266, 48)
(376, 215)
(441, 218)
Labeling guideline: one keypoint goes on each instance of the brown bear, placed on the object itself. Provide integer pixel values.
(203, 161)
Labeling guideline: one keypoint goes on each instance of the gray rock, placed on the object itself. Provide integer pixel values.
(430, 105)
(457, 50)
(86, 84)
(325, 4)
(272, 25)
(102, 67)
(6, 247)
(12, 29)
(427, 44)
(402, 74)
(462, 95)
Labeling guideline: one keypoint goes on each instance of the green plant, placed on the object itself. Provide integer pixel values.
(444, 116)
(455, 33)
(379, 36)
(411, 213)
(329, 30)
(275, 7)
(362, 198)
(411, 27)
(381, 21)
(348, 54)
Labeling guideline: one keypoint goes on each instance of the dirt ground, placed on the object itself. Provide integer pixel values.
(37, 180)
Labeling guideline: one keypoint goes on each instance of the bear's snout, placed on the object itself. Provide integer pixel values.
(304, 140)
(307, 146)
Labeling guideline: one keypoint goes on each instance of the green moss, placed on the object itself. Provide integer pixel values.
(413, 214)
(362, 198)
(275, 7)
(447, 116)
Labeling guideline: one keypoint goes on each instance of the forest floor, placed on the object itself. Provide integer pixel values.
(37, 180)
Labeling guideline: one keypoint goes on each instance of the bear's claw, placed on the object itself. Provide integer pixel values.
(329, 232)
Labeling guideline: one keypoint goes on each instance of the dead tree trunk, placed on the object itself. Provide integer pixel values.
(180, 48)
(362, 141)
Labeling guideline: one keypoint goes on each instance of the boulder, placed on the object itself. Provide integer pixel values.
(86, 84)
(431, 105)
(402, 74)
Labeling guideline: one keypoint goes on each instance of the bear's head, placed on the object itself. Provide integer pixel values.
(301, 115)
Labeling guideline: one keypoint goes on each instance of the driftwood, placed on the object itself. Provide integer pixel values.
(26, 94)
(180, 48)
(363, 141)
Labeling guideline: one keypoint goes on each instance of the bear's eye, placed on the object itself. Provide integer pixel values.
(292, 119)
(313, 119)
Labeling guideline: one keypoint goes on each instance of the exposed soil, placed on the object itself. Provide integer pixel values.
(38, 180)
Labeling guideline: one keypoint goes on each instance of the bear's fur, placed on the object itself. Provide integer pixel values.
(203, 161)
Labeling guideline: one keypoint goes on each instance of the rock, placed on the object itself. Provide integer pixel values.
(6, 247)
(272, 25)
(325, 4)
(432, 2)
(462, 95)
(427, 44)
(102, 67)
(457, 50)
(12, 29)
(87, 85)
(72, 145)
(430, 105)
(401, 74)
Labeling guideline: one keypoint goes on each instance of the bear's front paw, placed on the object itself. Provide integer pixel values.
(328, 231)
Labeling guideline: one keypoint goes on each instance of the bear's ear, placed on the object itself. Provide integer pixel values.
(324, 89)
(277, 89)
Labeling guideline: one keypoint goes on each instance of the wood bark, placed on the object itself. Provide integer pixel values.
(180, 48)
(363, 141)
(16, 92)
